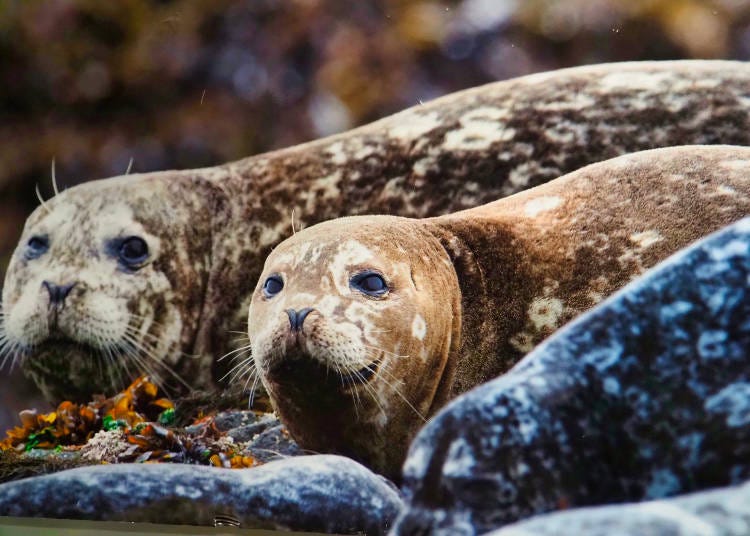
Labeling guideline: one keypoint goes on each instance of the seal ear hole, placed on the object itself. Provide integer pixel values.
(370, 283)
(272, 286)
(36, 246)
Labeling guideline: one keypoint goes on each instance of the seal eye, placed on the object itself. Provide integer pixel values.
(272, 286)
(370, 283)
(36, 246)
(133, 251)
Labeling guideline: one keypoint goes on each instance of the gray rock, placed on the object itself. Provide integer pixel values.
(247, 432)
(724, 512)
(273, 443)
(310, 493)
(646, 396)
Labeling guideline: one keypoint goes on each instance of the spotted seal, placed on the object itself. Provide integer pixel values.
(362, 327)
(152, 272)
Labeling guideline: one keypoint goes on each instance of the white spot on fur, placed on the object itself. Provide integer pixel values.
(414, 125)
(350, 253)
(545, 312)
(418, 327)
(480, 128)
(735, 165)
(645, 238)
(725, 190)
(337, 152)
(630, 80)
(541, 204)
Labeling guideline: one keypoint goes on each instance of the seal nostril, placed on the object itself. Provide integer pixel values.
(301, 315)
(57, 293)
(296, 318)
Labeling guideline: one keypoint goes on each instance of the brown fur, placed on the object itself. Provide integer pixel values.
(216, 225)
(491, 283)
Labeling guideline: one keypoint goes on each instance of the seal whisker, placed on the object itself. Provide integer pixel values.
(235, 351)
(251, 398)
(392, 354)
(385, 374)
(145, 353)
(369, 389)
(240, 369)
(54, 179)
(41, 199)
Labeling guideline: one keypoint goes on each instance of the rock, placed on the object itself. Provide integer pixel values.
(646, 396)
(273, 443)
(723, 512)
(310, 493)
(247, 432)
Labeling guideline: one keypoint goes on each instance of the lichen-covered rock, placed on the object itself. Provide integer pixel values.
(646, 396)
(722, 512)
(310, 493)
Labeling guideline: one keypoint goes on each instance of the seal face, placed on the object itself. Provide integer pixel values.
(104, 283)
(358, 323)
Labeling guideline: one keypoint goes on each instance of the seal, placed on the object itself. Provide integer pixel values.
(152, 273)
(363, 327)
(646, 396)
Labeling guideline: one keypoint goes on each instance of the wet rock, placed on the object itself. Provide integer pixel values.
(273, 443)
(644, 397)
(723, 512)
(247, 432)
(310, 493)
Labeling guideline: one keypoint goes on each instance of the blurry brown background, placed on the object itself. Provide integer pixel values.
(189, 83)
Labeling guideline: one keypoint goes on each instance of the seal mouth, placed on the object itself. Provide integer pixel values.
(303, 369)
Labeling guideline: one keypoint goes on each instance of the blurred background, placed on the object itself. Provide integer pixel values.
(190, 83)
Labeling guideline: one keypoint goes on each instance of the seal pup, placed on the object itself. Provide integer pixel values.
(206, 232)
(363, 327)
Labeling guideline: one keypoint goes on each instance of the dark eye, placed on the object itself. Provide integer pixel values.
(272, 286)
(133, 250)
(370, 283)
(36, 246)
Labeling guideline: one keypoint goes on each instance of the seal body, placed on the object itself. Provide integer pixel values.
(641, 398)
(207, 231)
(363, 327)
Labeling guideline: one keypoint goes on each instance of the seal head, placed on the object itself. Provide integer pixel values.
(345, 372)
(106, 283)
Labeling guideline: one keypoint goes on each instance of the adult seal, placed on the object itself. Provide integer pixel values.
(363, 327)
(151, 273)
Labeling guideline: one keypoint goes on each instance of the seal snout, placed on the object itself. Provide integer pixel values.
(297, 318)
(58, 293)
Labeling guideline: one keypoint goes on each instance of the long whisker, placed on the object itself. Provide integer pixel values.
(41, 199)
(385, 375)
(54, 179)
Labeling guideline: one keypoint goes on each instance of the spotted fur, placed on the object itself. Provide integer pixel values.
(214, 226)
(468, 293)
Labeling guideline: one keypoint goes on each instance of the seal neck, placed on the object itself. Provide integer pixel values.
(492, 270)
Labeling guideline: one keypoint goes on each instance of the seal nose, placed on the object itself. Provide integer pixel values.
(57, 293)
(296, 318)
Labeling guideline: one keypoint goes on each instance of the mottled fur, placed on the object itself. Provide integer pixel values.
(214, 226)
(468, 293)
